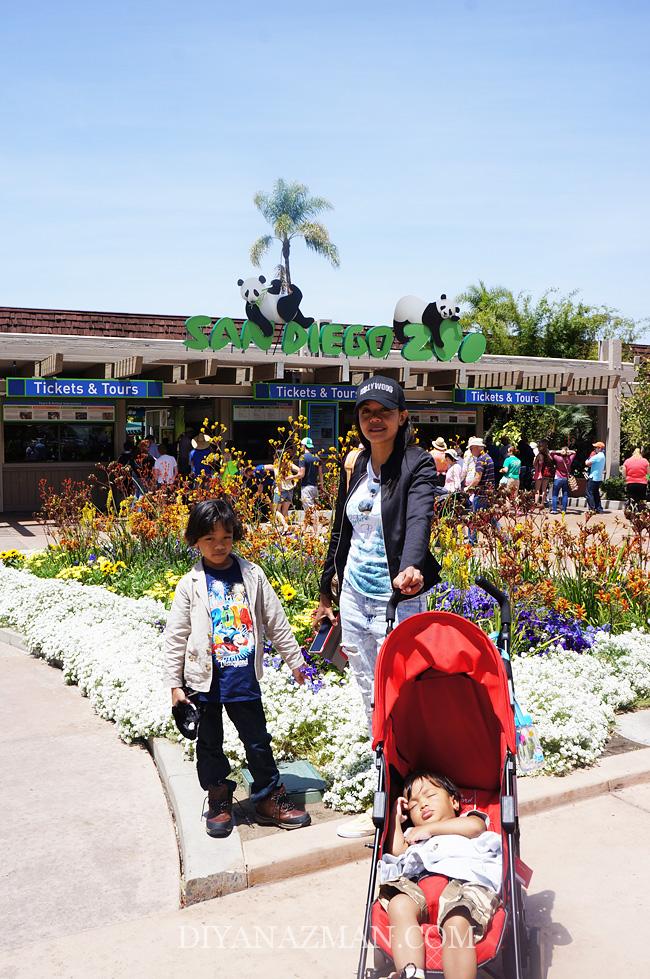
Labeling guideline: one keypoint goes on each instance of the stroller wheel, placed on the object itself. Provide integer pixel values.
(535, 968)
(383, 964)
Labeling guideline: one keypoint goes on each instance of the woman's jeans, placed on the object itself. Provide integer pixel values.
(560, 483)
(363, 628)
(593, 495)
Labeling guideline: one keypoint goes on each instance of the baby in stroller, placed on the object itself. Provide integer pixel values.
(434, 856)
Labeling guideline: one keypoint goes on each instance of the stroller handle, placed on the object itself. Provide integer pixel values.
(500, 596)
(391, 608)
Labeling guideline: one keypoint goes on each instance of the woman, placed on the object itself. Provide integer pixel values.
(544, 472)
(562, 460)
(380, 538)
(635, 472)
(286, 474)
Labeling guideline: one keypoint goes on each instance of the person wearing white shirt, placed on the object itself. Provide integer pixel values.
(427, 838)
(165, 467)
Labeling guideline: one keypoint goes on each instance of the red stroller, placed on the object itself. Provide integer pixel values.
(444, 702)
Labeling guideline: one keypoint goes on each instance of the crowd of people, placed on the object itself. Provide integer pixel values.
(552, 474)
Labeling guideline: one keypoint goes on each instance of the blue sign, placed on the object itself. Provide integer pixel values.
(70, 387)
(476, 396)
(305, 392)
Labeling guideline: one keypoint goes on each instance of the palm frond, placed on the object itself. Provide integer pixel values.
(259, 249)
(317, 240)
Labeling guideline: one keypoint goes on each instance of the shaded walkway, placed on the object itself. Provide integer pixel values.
(85, 832)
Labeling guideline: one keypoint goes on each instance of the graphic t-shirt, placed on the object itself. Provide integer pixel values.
(233, 646)
(512, 466)
(366, 569)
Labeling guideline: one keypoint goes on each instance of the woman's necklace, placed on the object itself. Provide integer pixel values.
(373, 486)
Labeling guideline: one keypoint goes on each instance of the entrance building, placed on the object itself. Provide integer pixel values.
(74, 385)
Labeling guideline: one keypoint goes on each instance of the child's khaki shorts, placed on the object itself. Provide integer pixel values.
(479, 901)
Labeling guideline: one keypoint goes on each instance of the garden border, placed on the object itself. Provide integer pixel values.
(211, 868)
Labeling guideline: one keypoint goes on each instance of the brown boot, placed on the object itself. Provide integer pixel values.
(218, 820)
(276, 810)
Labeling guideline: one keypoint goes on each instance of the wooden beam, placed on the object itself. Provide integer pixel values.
(49, 367)
(129, 367)
(196, 369)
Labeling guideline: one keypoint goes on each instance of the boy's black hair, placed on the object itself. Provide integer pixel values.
(206, 514)
(441, 780)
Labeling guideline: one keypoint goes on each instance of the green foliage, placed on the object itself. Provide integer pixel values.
(614, 488)
(552, 326)
(557, 423)
(635, 414)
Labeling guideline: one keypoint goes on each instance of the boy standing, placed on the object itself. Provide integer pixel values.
(214, 641)
(438, 843)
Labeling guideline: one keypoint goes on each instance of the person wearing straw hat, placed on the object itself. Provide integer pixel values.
(437, 453)
(201, 449)
(596, 464)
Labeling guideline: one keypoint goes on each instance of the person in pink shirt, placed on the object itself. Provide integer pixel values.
(563, 460)
(635, 470)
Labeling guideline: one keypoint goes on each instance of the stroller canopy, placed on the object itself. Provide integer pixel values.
(442, 701)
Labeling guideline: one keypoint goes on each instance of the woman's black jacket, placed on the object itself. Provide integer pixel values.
(407, 481)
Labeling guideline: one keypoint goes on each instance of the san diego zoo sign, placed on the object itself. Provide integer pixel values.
(423, 330)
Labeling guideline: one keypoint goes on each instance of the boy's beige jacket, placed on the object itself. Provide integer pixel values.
(187, 640)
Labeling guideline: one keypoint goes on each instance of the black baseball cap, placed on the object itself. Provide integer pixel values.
(382, 389)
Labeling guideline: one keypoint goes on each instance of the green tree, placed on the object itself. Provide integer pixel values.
(493, 309)
(552, 326)
(291, 211)
(635, 413)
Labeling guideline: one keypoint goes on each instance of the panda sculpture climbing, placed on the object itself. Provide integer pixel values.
(410, 309)
(266, 307)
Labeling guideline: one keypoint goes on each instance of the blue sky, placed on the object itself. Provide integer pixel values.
(458, 141)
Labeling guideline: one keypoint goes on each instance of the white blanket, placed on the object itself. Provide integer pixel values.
(477, 860)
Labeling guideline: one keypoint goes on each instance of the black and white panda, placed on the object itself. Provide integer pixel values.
(266, 307)
(410, 309)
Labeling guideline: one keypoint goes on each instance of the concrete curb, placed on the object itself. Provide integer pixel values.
(212, 868)
(209, 868)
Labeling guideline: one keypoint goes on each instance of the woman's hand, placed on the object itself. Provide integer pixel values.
(324, 611)
(298, 675)
(179, 696)
(409, 581)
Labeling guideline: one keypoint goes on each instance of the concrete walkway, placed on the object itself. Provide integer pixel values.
(22, 533)
(85, 832)
(590, 862)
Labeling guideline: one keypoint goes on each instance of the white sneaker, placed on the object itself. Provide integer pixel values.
(357, 828)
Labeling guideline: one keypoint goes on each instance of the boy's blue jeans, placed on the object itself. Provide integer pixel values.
(213, 767)
(363, 628)
(560, 483)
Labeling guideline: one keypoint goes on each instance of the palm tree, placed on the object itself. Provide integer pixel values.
(290, 211)
(495, 312)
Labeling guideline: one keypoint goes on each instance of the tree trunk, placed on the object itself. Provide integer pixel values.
(285, 255)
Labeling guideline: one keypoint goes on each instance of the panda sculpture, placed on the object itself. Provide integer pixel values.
(266, 307)
(410, 309)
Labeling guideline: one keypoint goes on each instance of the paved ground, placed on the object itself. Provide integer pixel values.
(587, 895)
(85, 832)
(23, 533)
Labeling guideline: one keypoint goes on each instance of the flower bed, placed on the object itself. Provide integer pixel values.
(111, 647)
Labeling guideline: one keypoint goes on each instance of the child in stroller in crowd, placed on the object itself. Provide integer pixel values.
(442, 859)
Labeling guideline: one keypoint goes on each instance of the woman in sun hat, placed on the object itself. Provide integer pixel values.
(201, 448)
(380, 538)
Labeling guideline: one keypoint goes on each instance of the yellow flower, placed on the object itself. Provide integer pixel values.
(288, 592)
